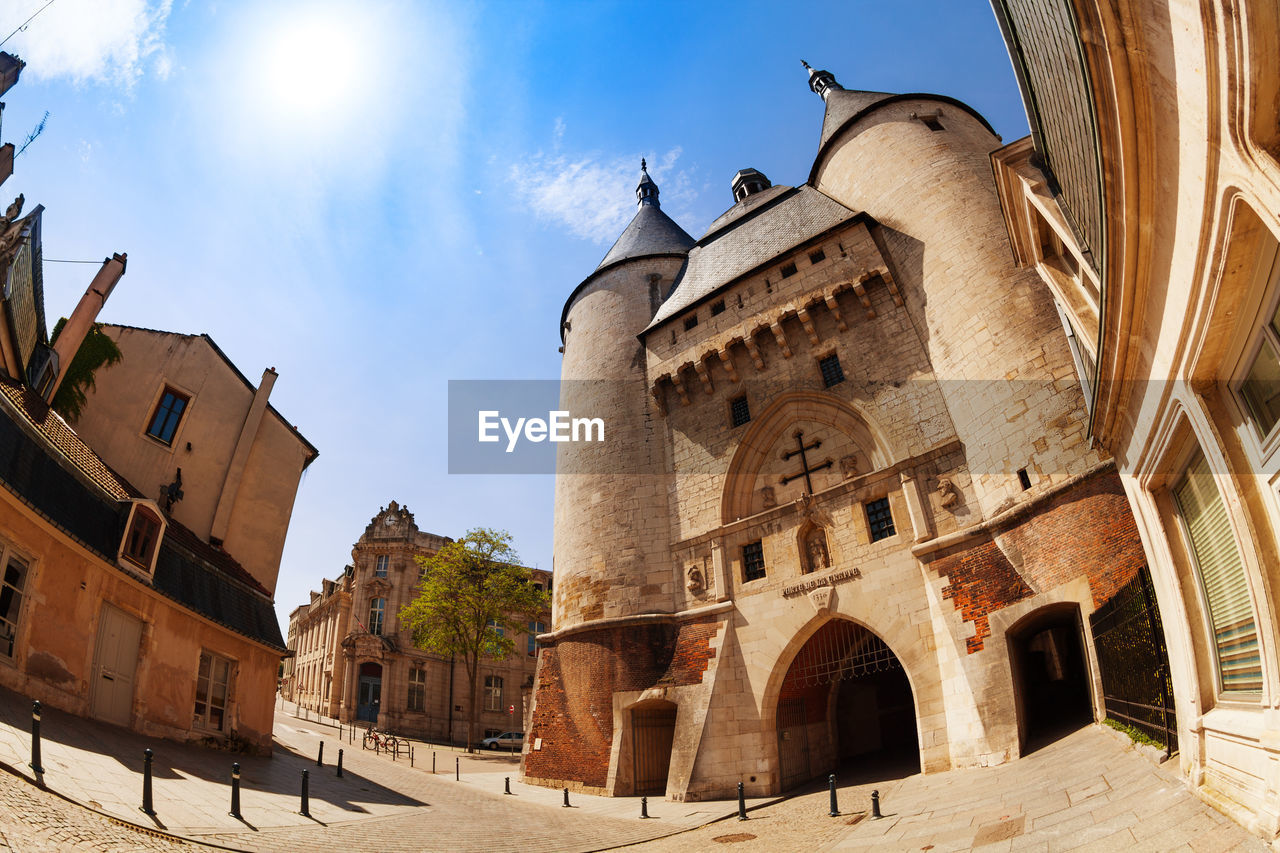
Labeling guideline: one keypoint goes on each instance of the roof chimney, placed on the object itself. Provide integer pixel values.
(82, 319)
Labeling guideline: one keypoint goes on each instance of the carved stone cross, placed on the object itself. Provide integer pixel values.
(805, 470)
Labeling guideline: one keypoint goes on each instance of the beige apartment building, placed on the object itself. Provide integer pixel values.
(129, 594)
(353, 661)
(1148, 200)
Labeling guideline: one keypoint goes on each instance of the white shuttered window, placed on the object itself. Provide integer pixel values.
(1221, 572)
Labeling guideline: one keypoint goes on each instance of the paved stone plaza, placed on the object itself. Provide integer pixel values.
(1086, 792)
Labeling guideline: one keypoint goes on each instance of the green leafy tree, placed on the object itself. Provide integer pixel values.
(473, 599)
(97, 350)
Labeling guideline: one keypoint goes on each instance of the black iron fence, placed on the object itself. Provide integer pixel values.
(1134, 666)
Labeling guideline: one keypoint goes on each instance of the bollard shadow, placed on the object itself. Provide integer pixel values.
(90, 752)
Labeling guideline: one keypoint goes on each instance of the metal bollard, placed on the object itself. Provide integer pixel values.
(644, 808)
(320, 757)
(457, 769)
(433, 762)
(875, 805)
(565, 805)
(146, 783)
(235, 790)
(506, 785)
(742, 803)
(835, 810)
(410, 755)
(339, 764)
(35, 738)
(395, 750)
(305, 811)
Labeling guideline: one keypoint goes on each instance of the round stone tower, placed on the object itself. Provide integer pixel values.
(920, 165)
(611, 518)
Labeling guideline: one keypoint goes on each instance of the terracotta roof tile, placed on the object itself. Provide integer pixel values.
(54, 429)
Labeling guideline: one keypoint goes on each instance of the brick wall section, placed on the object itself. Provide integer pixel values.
(980, 580)
(1087, 530)
(581, 673)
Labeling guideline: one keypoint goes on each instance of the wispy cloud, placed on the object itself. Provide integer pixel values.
(590, 194)
(104, 41)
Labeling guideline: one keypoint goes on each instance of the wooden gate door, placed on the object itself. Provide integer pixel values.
(653, 730)
(793, 743)
(115, 663)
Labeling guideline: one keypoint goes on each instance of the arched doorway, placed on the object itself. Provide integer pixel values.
(369, 692)
(653, 729)
(846, 701)
(1050, 675)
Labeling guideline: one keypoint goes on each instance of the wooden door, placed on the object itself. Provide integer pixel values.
(793, 743)
(653, 731)
(115, 665)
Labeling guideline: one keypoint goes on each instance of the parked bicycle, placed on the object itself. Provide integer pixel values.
(381, 741)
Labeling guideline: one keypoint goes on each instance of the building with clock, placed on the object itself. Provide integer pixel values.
(354, 662)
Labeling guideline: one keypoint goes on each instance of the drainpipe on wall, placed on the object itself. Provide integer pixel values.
(451, 661)
(82, 319)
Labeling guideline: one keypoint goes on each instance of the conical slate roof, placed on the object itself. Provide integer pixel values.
(651, 232)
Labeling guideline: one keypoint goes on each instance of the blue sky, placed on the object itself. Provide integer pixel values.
(377, 197)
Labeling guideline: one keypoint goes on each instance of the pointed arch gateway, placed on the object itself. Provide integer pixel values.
(759, 474)
(845, 700)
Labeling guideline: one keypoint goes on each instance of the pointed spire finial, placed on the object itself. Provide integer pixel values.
(646, 190)
(821, 82)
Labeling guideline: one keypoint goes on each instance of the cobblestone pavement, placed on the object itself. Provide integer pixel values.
(1084, 792)
(38, 821)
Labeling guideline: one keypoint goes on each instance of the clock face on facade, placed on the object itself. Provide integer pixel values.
(389, 521)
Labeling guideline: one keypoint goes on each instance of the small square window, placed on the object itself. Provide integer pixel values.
(789, 269)
(167, 416)
(932, 123)
(690, 322)
(832, 372)
(880, 519)
(739, 411)
(753, 561)
(717, 307)
(380, 564)
(817, 256)
(1024, 479)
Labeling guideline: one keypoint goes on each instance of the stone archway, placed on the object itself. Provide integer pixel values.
(1050, 675)
(845, 699)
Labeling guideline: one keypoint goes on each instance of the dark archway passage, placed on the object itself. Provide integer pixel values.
(846, 703)
(1051, 677)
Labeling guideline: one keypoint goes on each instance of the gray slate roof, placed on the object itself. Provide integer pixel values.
(844, 104)
(753, 236)
(651, 232)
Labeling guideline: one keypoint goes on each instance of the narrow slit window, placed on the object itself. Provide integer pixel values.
(717, 307)
(788, 270)
(932, 123)
(817, 256)
(690, 322)
(753, 561)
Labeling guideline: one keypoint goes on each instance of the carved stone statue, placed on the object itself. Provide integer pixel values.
(949, 493)
(816, 550)
(695, 582)
(768, 497)
(848, 467)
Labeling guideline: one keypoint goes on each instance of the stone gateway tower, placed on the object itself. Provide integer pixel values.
(846, 509)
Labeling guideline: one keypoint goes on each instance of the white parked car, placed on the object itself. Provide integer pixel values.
(506, 740)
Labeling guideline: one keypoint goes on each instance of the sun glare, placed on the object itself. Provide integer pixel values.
(312, 65)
